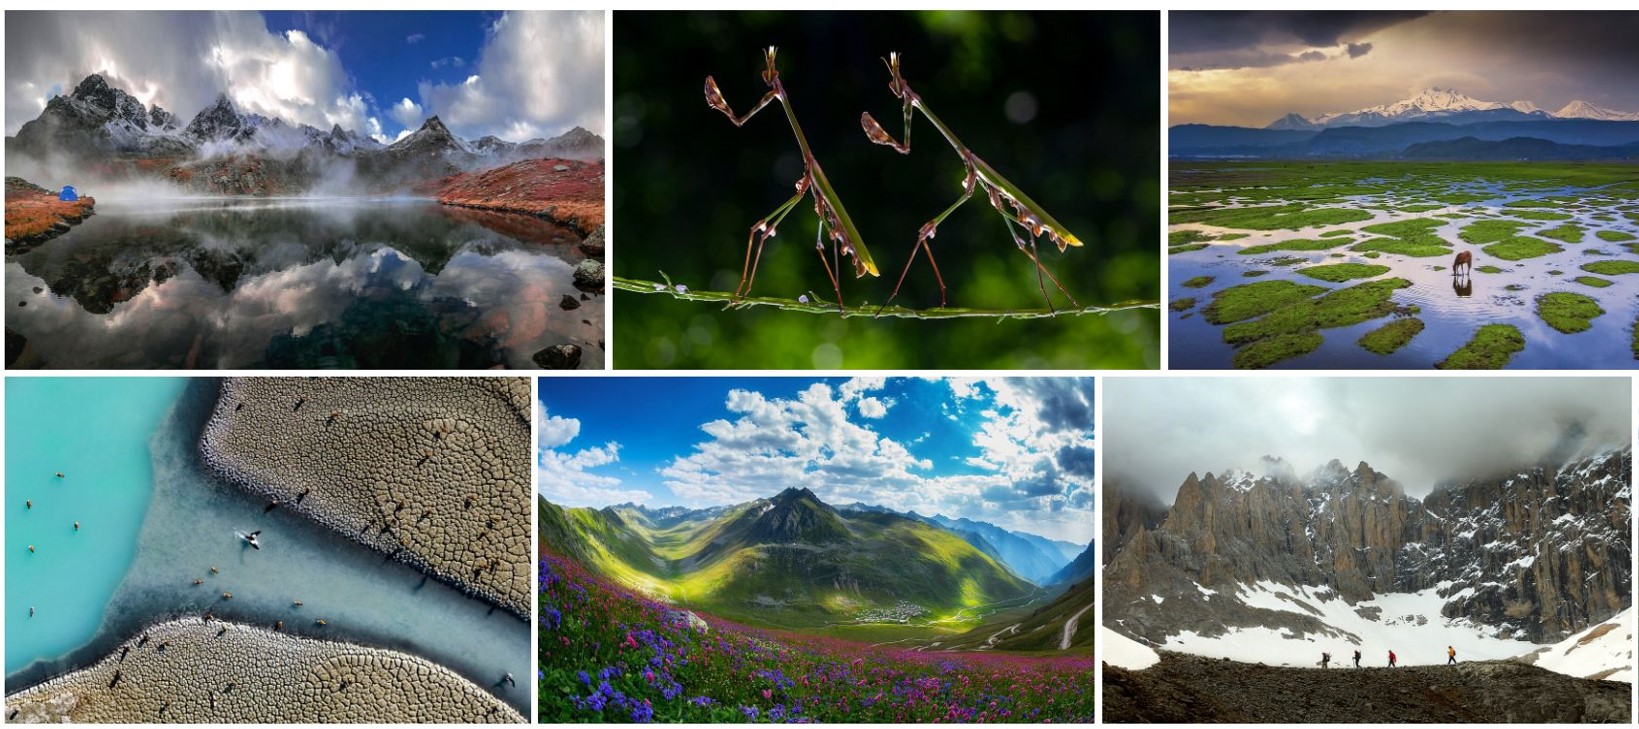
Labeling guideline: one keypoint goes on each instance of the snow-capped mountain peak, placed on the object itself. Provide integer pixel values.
(1580, 109)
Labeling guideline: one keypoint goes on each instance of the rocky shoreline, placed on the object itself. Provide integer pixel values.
(194, 670)
(434, 472)
(34, 215)
(568, 192)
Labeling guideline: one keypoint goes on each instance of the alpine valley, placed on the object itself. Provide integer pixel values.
(816, 609)
(1526, 572)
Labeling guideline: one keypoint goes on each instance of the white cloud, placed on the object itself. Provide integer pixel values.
(538, 74)
(565, 476)
(454, 61)
(415, 38)
(408, 114)
(1037, 463)
(874, 408)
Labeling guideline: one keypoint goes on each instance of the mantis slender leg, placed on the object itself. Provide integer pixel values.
(761, 232)
(819, 247)
(928, 230)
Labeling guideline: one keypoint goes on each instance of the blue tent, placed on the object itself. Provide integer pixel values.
(69, 194)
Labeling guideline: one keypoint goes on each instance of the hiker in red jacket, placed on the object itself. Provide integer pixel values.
(1391, 659)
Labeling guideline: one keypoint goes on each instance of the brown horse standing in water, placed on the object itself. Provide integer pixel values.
(1464, 258)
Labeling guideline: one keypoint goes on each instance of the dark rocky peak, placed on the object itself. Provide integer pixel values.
(220, 121)
(796, 494)
(1278, 469)
(159, 118)
(95, 89)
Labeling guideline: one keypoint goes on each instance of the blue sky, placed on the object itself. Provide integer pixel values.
(1012, 451)
(515, 74)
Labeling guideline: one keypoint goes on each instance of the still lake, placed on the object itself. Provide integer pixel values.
(365, 283)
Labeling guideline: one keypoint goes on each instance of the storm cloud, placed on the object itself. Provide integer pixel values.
(1250, 68)
(1420, 431)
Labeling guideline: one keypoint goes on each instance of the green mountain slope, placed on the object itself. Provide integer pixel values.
(788, 561)
(1038, 629)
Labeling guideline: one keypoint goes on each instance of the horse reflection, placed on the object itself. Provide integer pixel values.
(1463, 285)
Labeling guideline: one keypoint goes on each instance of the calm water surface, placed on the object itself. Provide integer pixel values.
(300, 283)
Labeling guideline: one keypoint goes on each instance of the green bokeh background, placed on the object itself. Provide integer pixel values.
(1083, 140)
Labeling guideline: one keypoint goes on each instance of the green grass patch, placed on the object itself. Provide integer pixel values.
(1340, 272)
(1293, 216)
(1490, 349)
(1296, 244)
(1234, 236)
(1199, 282)
(1488, 268)
(1569, 232)
(1531, 204)
(1413, 237)
(1342, 307)
(1253, 273)
(1391, 336)
(1265, 352)
(1569, 313)
(1183, 237)
(1184, 304)
(1336, 233)
(1520, 248)
(1539, 215)
(1614, 236)
(1287, 261)
(1421, 208)
(1593, 281)
(1611, 268)
(1489, 231)
(1187, 247)
(1245, 301)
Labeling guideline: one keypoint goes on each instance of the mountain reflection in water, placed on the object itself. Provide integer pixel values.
(349, 283)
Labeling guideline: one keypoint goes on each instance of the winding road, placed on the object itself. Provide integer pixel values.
(1070, 627)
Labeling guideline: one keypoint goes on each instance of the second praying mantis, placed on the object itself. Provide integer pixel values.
(1022, 214)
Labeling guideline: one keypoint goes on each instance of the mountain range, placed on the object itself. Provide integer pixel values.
(100, 128)
(792, 560)
(1490, 129)
(1277, 567)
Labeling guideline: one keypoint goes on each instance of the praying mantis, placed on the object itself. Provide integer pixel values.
(1025, 215)
(1020, 212)
(844, 236)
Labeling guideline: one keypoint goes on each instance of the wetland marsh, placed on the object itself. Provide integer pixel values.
(1350, 265)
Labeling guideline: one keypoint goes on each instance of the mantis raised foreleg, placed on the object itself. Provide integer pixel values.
(832, 216)
(1015, 207)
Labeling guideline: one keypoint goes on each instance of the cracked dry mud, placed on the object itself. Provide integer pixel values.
(193, 671)
(433, 471)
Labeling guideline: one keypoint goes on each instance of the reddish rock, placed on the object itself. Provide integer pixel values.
(566, 191)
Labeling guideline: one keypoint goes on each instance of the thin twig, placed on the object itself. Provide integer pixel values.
(814, 306)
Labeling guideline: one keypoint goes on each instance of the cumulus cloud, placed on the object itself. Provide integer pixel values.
(408, 114)
(415, 38)
(1034, 440)
(180, 61)
(873, 408)
(564, 473)
(1419, 431)
(538, 75)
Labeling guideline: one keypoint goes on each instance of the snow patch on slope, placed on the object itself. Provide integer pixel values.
(1407, 623)
(1603, 651)
(1119, 650)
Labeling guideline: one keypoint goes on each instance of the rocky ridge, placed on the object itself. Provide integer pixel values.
(1538, 554)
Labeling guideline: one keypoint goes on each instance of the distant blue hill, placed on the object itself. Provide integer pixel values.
(1587, 139)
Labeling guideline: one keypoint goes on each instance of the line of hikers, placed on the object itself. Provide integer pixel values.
(1326, 658)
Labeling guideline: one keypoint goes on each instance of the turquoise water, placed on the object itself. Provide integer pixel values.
(96, 432)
